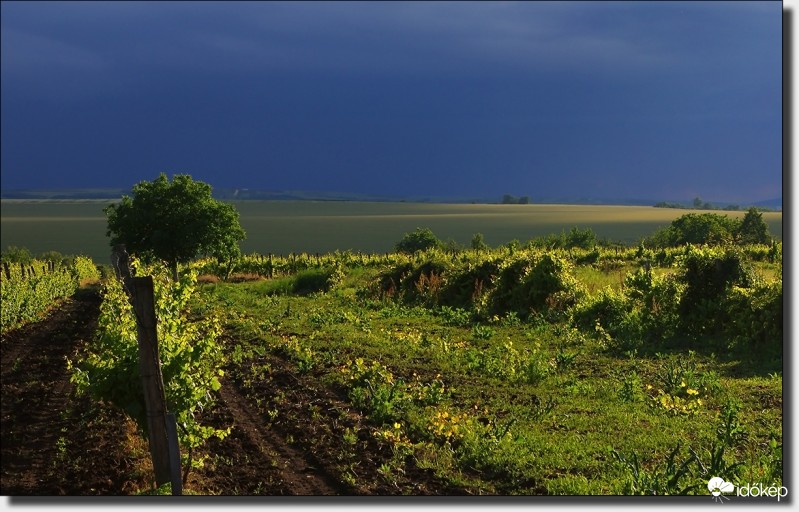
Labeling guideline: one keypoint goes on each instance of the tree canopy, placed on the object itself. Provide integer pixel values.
(753, 229)
(175, 222)
(712, 229)
(421, 239)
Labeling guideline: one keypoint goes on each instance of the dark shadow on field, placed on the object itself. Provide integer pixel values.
(733, 363)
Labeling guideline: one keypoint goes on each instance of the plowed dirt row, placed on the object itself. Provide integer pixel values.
(293, 435)
(53, 442)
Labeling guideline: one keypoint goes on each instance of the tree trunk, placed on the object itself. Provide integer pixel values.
(174, 266)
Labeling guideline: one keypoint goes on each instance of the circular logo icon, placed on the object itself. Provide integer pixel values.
(717, 485)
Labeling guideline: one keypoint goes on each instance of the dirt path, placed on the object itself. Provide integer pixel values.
(292, 435)
(53, 442)
(257, 460)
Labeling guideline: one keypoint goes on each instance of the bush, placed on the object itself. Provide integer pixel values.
(425, 282)
(422, 239)
(607, 309)
(468, 286)
(316, 280)
(756, 316)
(580, 238)
(708, 275)
(535, 284)
(696, 228)
(576, 238)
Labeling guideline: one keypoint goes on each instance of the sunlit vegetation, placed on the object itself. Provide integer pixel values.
(522, 369)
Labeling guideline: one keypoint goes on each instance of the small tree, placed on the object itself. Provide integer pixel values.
(478, 242)
(175, 222)
(420, 240)
(702, 228)
(753, 229)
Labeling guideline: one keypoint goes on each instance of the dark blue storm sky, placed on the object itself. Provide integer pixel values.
(651, 100)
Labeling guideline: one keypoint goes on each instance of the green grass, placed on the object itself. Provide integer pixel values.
(282, 227)
(563, 402)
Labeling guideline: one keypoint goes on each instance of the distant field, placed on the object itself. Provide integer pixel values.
(282, 227)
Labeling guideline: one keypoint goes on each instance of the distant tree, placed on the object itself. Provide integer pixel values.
(175, 222)
(697, 203)
(54, 256)
(509, 199)
(478, 242)
(753, 229)
(582, 238)
(14, 254)
(451, 246)
(421, 239)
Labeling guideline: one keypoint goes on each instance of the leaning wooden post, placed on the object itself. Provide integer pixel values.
(141, 295)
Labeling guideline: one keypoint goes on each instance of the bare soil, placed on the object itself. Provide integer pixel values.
(54, 442)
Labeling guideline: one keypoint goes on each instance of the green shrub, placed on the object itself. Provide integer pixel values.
(535, 284)
(468, 285)
(643, 313)
(389, 282)
(708, 274)
(424, 282)
(422, 239)
(607, 309)
(696, 228)
(755, 316)
(316, 280)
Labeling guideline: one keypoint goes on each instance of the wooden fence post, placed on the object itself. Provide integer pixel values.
(141, 295)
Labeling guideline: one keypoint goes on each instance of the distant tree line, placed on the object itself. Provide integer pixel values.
(691, 228)
(699, 204)
(509, 199)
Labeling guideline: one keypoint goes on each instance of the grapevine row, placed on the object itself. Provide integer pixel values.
(29, 290)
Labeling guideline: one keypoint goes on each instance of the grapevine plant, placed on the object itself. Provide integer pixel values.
(190, 354)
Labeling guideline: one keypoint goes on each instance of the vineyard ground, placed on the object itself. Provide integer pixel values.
(58, 443)
(54, 442)
(301, 451)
